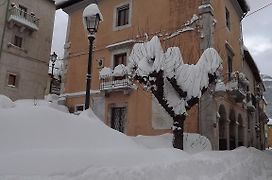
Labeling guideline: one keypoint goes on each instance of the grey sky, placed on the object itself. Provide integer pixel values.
(258, 35)
(256, 29)
(59, 34)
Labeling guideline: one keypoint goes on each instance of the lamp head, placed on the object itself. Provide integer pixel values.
(53, 57)
(91, 18)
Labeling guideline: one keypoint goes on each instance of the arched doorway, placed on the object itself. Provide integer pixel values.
(222, 128)
(241, 131)
(232, 129)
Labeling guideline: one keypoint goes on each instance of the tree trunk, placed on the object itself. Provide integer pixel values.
(178, 126)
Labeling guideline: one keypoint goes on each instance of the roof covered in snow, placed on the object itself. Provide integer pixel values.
(65, 3)
(253, 66)
(244, 5)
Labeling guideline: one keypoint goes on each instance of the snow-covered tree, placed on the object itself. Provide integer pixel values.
(177, 86)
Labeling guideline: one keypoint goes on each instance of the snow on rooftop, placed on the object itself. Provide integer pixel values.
(58, 2)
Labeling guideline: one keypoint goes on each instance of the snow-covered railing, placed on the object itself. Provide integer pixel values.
(238, 86)
(115, 84)
(114, 79)
(24, 18)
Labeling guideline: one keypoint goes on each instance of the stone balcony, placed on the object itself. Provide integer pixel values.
(237, 87)
(23, 19)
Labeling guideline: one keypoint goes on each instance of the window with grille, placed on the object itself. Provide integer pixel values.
(122, 15)
(230, 70)
(12, 80)
(78, 108)
(18, 41)
(227, 18)
(118, 118)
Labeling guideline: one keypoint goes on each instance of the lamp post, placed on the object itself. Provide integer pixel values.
(91, 20)
(53, 58)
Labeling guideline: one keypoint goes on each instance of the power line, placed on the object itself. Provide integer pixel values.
(269, 4)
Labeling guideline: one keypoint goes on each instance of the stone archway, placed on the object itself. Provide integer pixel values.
(232, 130)
(241, 131)
(222, 124)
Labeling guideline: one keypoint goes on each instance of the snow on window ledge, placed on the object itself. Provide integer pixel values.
(11, 45)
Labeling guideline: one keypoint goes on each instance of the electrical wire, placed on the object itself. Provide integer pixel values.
(269, 4)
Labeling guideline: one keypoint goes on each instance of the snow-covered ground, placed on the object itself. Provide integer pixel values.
(40, 141)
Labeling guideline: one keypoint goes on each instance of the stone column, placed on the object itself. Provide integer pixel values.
(206, 14)
(236, 134)
(228, 134)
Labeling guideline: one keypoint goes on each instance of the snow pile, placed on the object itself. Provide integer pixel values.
(120, 70)
(41, 143)
(50, 100)
(105, 73)
(5, 102)
(193, 143)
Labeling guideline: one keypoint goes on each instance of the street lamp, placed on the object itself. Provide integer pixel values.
(91, 20)
(53, 58)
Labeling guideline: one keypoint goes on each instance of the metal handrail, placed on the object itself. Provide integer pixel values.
(24, 15)
(115, 84)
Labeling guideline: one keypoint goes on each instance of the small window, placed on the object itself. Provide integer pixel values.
(227, 18)
(12, 80)
(122, 15)
(23, 10)
(78, 109)
(229, 67)
(18, 41)
(120, 59)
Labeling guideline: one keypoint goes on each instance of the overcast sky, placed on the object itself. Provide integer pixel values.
(257, 30)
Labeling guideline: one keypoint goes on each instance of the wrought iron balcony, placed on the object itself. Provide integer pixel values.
(115, 85)
(23, 19)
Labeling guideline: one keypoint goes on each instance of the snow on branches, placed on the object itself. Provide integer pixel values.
(182, 83)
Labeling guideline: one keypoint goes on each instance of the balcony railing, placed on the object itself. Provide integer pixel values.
(112, 85)
(237, 88)
(22, 18)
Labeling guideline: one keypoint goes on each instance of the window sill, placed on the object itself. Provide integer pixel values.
(119, 28)
(11, 86)
(10, 45)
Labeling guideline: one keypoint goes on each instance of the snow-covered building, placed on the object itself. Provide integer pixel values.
(26, 28)
(228, 113)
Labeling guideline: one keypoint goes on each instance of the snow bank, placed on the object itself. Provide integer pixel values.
(48, 102)
(193, 143)
(41, 143)
(5, 102)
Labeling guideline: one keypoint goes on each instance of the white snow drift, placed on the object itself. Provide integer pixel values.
(39, 142)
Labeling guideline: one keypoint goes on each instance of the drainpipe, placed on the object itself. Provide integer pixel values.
(4, 28)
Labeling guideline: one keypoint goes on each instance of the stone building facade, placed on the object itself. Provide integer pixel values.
(26, 28)
(226, 117)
